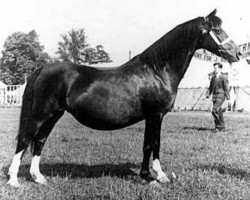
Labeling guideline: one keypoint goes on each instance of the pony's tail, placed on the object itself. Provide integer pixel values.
(25, 130)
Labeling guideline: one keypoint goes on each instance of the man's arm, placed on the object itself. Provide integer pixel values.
(209, 90)
(226, 88)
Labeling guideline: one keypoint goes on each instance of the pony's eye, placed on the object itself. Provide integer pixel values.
(217, 31)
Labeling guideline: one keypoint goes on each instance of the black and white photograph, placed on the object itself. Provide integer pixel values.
(124, 99)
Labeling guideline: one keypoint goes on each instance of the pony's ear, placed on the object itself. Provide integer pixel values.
(210, 17)
(213, 19)
(212, 14)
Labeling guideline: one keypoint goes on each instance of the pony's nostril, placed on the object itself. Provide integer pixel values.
(238, 54)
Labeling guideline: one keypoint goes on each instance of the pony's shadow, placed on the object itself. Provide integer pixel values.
(227, 170)
(198, 128)
(123, 170)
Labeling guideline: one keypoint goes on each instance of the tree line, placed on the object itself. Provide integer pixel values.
(22, 54)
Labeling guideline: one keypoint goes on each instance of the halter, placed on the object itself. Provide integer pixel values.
(216, 39)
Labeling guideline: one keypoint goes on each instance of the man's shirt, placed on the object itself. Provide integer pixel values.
(219, 87)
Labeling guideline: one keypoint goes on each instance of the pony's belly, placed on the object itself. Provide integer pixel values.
(101, 123)
(109, 118)
(108, 113)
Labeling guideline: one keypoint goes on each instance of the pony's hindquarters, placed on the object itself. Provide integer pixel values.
(25, 129)
(39, 113)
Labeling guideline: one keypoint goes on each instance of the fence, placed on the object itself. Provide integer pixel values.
(11, 95)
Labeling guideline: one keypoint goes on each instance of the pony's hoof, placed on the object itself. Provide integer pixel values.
(154, 183)
(13, 183)
(147, 177)
(39, 179)
(163, 179)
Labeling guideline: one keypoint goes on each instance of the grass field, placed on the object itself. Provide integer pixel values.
(80, 163)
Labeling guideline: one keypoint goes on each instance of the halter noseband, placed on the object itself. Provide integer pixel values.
(216, 39)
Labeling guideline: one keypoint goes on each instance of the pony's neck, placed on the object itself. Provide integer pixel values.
(173, 52)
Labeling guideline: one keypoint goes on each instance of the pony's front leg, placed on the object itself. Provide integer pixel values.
(145, 173)
(152, 143)
(147, 150)
(156, 142)
(161, 176)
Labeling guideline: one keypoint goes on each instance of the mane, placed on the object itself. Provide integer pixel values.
(170, 44)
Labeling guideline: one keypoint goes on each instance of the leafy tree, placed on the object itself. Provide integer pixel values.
(22, 54)
(74, 48)
(90, 56)
(102, 56)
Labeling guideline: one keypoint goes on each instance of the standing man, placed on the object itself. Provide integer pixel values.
(219, 90)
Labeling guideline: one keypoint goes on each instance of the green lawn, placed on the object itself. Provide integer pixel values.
(81, 163)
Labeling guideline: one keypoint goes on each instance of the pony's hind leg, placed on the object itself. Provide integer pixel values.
(13, 170)
(23, 140)
(38, 144)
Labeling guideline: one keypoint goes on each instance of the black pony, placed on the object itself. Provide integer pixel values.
(112, 98)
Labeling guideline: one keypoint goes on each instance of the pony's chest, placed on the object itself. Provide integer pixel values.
(159, 99)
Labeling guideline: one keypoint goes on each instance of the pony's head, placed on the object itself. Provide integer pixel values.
(216, 40)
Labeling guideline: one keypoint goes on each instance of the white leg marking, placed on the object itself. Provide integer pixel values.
(161, 176)
(13, 170)
(35, 171)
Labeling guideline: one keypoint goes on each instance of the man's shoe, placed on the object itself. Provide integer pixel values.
(216, 130)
